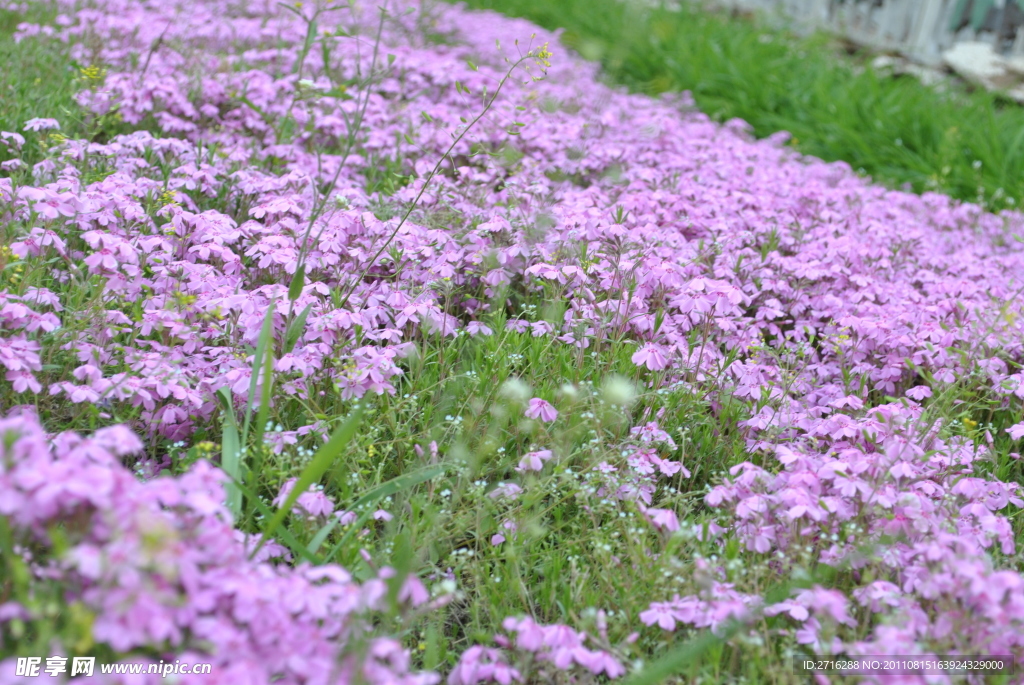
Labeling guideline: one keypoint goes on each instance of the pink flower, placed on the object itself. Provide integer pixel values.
(23, 381)
(137, 535)
(919, 392)
(534, 461)
(39, 124)
(505, 491)
(661, 613)
(16, 140)
(823, 602)
(651, 432)
(413, 591)
(475, 328)
(480, 665)
(651, 356)
(316, 503)
(598, 661)
(1016, 431)
(313, 502)
(529, 635)
(540, 409)
(796, 610)
(663, 519)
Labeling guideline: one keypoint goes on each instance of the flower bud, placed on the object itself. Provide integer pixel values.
(618, 391)
(516, 390)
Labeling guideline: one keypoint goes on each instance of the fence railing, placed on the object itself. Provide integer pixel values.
(919, 29)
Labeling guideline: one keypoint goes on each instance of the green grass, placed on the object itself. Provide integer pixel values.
(966, 144)
(40, 79)
(573, 551)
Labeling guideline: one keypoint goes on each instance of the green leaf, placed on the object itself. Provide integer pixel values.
(691, 652)
(284, 534)
(687, 654)
(391, 487)
(401, 562)
(257, 363)
(295, 328)
(263, 412)
(297, 284)
(321, 535)
(321, 461)
(230, 454)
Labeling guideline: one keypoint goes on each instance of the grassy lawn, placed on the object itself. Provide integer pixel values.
(969, 145)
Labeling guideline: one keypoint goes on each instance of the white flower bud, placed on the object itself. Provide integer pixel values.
(515, 390)
(618, 391)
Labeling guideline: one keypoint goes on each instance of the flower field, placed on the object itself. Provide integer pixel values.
(390, 345)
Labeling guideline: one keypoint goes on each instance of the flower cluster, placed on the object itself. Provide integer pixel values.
(159, 565)
(831, 310)
(556, 646)
(883, 496)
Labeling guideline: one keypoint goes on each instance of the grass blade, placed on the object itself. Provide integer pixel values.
(317, 467)
(257, 362)
(284, 534)
(231, 452)
(295, 328)
(297, 284)
(321, 535)
(391, 487)
(692, 651)
(262, 414)
(683, 656)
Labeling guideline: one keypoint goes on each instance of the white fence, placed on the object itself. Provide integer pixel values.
(920, 29)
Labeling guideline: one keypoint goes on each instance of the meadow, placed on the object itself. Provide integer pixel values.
(354, 344)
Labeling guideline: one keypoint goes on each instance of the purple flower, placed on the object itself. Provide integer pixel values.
(482, 665)
(312, 502)
(41, 125)
(663, 519)
(13, 140)
(159, 563)
(505, 491)
(768, 281)
(919, 392)
(534, 461)
(661, 614)
(475, 328)
(540, 409)
(651, 356)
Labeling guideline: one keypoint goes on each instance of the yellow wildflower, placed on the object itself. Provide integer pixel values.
(543, 55)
